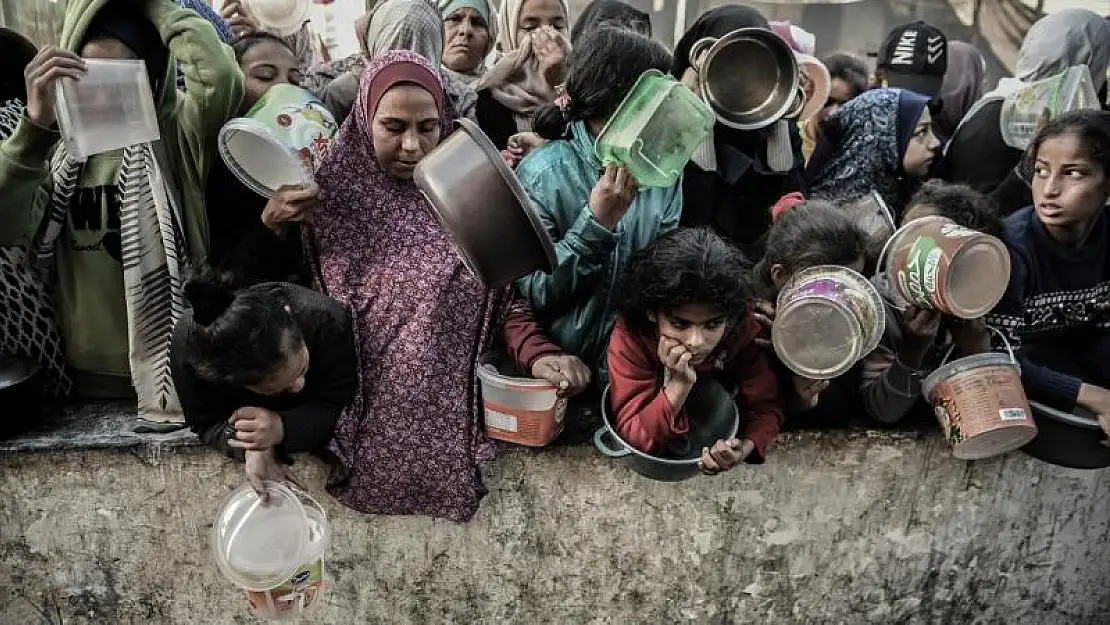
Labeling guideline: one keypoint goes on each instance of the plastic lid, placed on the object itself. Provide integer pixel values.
(280, 17)
(110, 107)
(258, 158)
(817, 338)
(258, 546)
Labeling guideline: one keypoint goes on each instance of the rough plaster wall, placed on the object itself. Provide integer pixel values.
(836, 528)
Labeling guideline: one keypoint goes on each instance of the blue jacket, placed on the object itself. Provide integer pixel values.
(575, 302)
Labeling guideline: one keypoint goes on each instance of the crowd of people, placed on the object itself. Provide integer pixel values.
(336, 317)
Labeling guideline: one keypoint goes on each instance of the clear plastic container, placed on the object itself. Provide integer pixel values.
(280, 17)
(655, 130)
(1072, 90)
(109, 108)
(525, 411)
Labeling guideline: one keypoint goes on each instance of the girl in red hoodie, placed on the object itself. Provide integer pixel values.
(684, 312)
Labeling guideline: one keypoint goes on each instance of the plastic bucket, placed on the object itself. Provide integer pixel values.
(307, 585)
(525, 411)
(280, 141)
(981, 405)
(273, 550)
(1071, 90)
(935, 263)
(826, 319)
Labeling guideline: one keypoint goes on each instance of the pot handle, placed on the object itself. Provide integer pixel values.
(700, 46)
(599, 442)
(1065, 417)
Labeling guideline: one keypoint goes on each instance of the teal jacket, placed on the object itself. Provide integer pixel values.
(575, 302)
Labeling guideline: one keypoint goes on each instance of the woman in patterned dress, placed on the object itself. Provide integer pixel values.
(411, 441)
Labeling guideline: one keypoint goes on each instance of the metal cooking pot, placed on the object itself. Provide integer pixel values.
(1068, 440)
(483, 209)
(21, 394)
(749, 77)
(712, 415)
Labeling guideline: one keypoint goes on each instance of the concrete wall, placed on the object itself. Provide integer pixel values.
(858, 527)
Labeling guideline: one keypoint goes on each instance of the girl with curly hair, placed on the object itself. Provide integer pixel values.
(685, 312)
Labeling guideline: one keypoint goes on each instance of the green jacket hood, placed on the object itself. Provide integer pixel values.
(79, 15)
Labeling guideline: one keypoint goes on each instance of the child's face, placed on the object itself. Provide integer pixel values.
(698, 327)
(921, 149)
(1069, 189)
(289, 375)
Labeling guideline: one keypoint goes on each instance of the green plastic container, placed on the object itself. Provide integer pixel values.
(655, 130)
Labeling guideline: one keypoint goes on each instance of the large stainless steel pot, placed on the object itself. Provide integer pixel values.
(749, 77)
(713, 416)
(483, 209)
(21, 398)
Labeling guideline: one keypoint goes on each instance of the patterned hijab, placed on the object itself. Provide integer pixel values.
(862, 147)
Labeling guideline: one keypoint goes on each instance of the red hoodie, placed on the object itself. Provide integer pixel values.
(644, 417)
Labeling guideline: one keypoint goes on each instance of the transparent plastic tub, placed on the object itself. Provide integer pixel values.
(109, 108)
(655, 130)
(1072, 90)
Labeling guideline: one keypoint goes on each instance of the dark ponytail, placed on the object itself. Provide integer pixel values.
(601, 73)
(238, 337)
(811, 234)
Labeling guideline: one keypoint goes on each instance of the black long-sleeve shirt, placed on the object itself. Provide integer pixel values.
(308, 417)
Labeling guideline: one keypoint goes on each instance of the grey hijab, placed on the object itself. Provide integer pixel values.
(1063, 39)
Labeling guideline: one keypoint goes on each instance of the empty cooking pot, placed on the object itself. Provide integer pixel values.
(1068, 440)
(749, 77)
(713, 416)
(483, 209)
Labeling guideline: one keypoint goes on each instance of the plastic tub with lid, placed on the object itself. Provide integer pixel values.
(1072, 90)
(273, 550)
(525, 411)
(655, 130)
(109, 108)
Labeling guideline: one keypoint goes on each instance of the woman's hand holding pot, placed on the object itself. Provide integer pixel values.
(612, 195)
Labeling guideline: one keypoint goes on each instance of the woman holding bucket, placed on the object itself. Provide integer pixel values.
(881, 140)
(686, 314)
(917, 339)
(1055, 309)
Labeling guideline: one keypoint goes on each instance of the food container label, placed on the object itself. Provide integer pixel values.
(979, 400)
(501, 421)
(1012, 414)
(918, 277)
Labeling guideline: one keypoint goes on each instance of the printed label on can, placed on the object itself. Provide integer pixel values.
(918, 277)
(1012, 414)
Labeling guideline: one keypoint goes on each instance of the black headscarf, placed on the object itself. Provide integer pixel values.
(17, 53)
(609, 13)
(121, 20)
(715, 23)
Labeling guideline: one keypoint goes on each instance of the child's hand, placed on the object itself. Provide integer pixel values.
(971, 336)
(724, 455)
(764, 313)
(612, 195)
(237, 18)
(919, 331)
(257, 429)
(522, 143)
(809, 391)
(261, 467)
(676, 358)
(551, 48)
(568, 373)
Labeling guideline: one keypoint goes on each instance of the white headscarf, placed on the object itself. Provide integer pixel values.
(508, 24)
